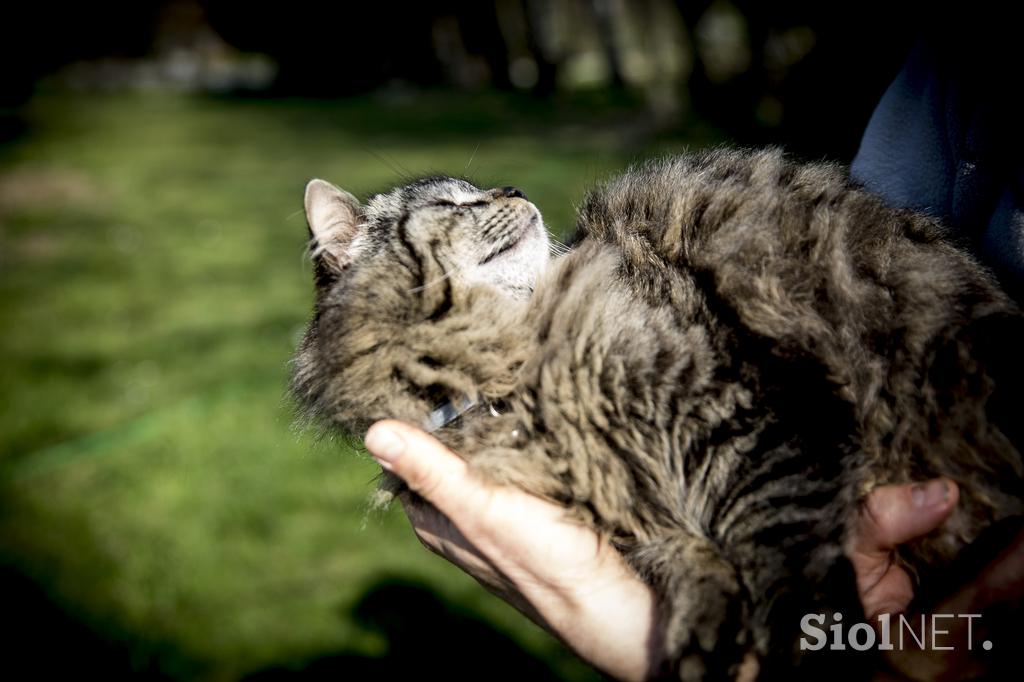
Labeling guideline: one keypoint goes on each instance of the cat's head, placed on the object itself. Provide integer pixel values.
(410, 289)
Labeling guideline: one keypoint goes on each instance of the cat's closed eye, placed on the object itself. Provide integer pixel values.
(445, 203)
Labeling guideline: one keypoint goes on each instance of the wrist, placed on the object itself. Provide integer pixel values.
(613, 622)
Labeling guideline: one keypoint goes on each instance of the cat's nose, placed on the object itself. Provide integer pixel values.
(512, 193)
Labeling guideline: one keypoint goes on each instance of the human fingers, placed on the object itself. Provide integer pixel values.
(438, 534)
(987, 622)
(443, 487)
(890, 516)
(560, 573)
(448, 501)
(895, 514)
(429, 469)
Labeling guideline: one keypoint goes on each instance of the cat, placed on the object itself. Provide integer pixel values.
(737, 348)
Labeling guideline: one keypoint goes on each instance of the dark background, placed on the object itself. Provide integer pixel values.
(801, 73)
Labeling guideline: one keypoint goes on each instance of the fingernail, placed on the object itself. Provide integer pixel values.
(385, 445)
(931, 494)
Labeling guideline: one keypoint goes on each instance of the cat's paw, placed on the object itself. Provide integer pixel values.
(705, 630)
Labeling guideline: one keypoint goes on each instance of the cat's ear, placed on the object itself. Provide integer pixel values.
(333, 216)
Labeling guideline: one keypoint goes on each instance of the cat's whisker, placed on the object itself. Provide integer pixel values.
(555, 251)
(557, 248)
(472, 156)
(293, 214)
(556, 240)
(393, 165)
(310, 250)
(427, 285)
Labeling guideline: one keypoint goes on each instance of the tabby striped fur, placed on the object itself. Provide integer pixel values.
(736, 350)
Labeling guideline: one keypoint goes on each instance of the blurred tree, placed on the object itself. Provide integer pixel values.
(481, 35)
(36, 38)
(607, 14)
(334, 48)
(801, 73)
(813, 71)
(537, 16)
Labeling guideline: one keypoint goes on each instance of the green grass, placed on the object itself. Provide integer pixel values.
(152, 287)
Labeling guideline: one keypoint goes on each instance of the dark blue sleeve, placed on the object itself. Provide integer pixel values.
(946, 139)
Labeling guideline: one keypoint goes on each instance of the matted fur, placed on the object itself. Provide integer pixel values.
(737, 349)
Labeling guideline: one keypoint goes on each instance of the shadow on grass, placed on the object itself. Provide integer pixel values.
(426, 638)
(47, 641)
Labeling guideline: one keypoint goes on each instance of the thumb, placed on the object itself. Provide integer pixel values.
(429, 468)
(895, 514)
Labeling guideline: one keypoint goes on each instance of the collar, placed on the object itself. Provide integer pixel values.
(448, 412)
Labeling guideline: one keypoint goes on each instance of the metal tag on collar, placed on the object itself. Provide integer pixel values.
(449, 412)
(446, 414)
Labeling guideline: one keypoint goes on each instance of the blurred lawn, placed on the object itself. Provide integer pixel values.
(152, 287)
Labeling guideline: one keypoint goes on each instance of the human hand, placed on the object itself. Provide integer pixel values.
(891, 516)
(896, 514)
(558, 573)
(573, 583)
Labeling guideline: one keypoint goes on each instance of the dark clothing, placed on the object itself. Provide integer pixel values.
(947, 138)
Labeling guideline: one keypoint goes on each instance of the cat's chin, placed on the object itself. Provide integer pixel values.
(518, 267)
(528, 230)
